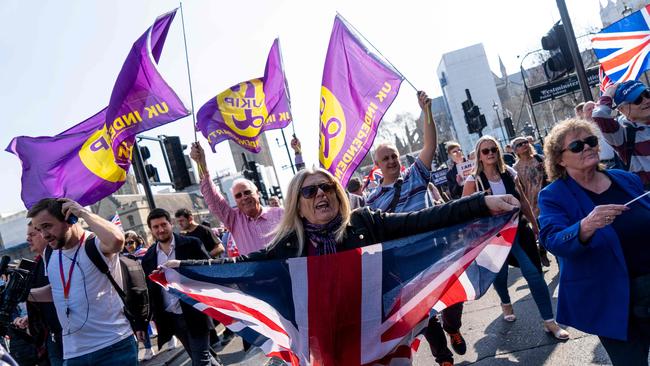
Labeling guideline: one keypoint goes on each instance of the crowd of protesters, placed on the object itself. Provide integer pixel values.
(571, 202)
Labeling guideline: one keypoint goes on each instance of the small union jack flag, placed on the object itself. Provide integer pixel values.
(356, 307)
(622, 48)
(374, 178)
(116, 221)
(605, 81)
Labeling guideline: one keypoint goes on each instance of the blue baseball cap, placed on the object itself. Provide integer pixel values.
(628, 91)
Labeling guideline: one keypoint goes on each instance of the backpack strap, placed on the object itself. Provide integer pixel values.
(95, 256)
(396, 195)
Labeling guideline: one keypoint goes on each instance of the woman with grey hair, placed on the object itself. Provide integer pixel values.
(592, 221)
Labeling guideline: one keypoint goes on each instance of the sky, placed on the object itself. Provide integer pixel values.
(59, 60)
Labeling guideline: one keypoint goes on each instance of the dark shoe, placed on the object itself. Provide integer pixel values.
(458, 343)
(226, 337)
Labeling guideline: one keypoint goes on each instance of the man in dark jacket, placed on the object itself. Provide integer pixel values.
(454, 179)
(173, 317)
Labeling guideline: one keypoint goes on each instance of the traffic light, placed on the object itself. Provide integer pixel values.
(255, 178)
(150, 170)
(510, 128)
(560, 62)
(180, 170)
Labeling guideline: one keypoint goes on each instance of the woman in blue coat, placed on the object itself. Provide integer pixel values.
(599, 241)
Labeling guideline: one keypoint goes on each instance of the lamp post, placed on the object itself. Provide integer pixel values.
(496, 109)
(523, 77)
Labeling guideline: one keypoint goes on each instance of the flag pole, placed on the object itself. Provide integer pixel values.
(379, 52)
(189, 78)
(286, 88)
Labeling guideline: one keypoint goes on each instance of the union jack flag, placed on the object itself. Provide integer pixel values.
(605, 81)
(374, 178)
(356, 307)
(116, 221)
(622, 48)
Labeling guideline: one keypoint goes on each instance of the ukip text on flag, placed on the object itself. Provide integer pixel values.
(358, 87)
(242, 112)
(89, 161)
(622, 48)
(356, 307)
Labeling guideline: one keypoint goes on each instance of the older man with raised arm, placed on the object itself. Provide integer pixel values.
(404, 191)
(95, 330)
(250, 223)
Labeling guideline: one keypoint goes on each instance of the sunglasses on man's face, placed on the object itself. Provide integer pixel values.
(239, 195)
(310, 191)
(487, 151)
(579, 145)
(520, 144)
(639, 100)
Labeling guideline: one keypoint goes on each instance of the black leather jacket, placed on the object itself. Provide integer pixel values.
(369, 227)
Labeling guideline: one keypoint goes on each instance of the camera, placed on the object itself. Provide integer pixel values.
(15, 288)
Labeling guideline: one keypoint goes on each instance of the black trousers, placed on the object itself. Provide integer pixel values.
(196, 345)
(435, 332)
(634, 351)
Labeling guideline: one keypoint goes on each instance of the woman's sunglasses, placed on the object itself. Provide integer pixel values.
(520, 144)
(310, 191)
(579, 145)
(492, 150)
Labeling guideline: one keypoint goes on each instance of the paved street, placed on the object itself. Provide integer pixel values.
(491, 341)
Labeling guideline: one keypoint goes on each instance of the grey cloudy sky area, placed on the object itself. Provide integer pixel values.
(59, 60)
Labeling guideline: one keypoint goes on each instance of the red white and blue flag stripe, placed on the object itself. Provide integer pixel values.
(356, 307)
(622, 48)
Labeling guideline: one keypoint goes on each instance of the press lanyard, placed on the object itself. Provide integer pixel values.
(66, 285)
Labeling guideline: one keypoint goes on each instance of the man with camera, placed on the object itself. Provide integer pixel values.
(41, 319)
(95, 330)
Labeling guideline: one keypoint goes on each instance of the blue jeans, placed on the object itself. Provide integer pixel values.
(54, 350)
(147, 337)
(536, 284)
(123, 353)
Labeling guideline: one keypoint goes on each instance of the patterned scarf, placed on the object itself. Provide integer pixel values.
(323, 235)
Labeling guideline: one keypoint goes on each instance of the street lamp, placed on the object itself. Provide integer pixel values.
(523, 78)
(496, 109)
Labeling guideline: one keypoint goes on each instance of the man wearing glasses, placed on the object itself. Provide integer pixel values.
(250, 224)
(455, 180)
(629, 135)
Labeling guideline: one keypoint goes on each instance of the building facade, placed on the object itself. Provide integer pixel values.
(468, 68)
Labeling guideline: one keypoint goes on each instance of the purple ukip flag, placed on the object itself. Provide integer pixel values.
(357, 89)
(141, 99)
(242, 112)
(80, 163)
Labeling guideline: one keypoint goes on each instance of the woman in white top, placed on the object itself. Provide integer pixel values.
(492, 175)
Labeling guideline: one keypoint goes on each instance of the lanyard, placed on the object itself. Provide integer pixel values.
(66, 285)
